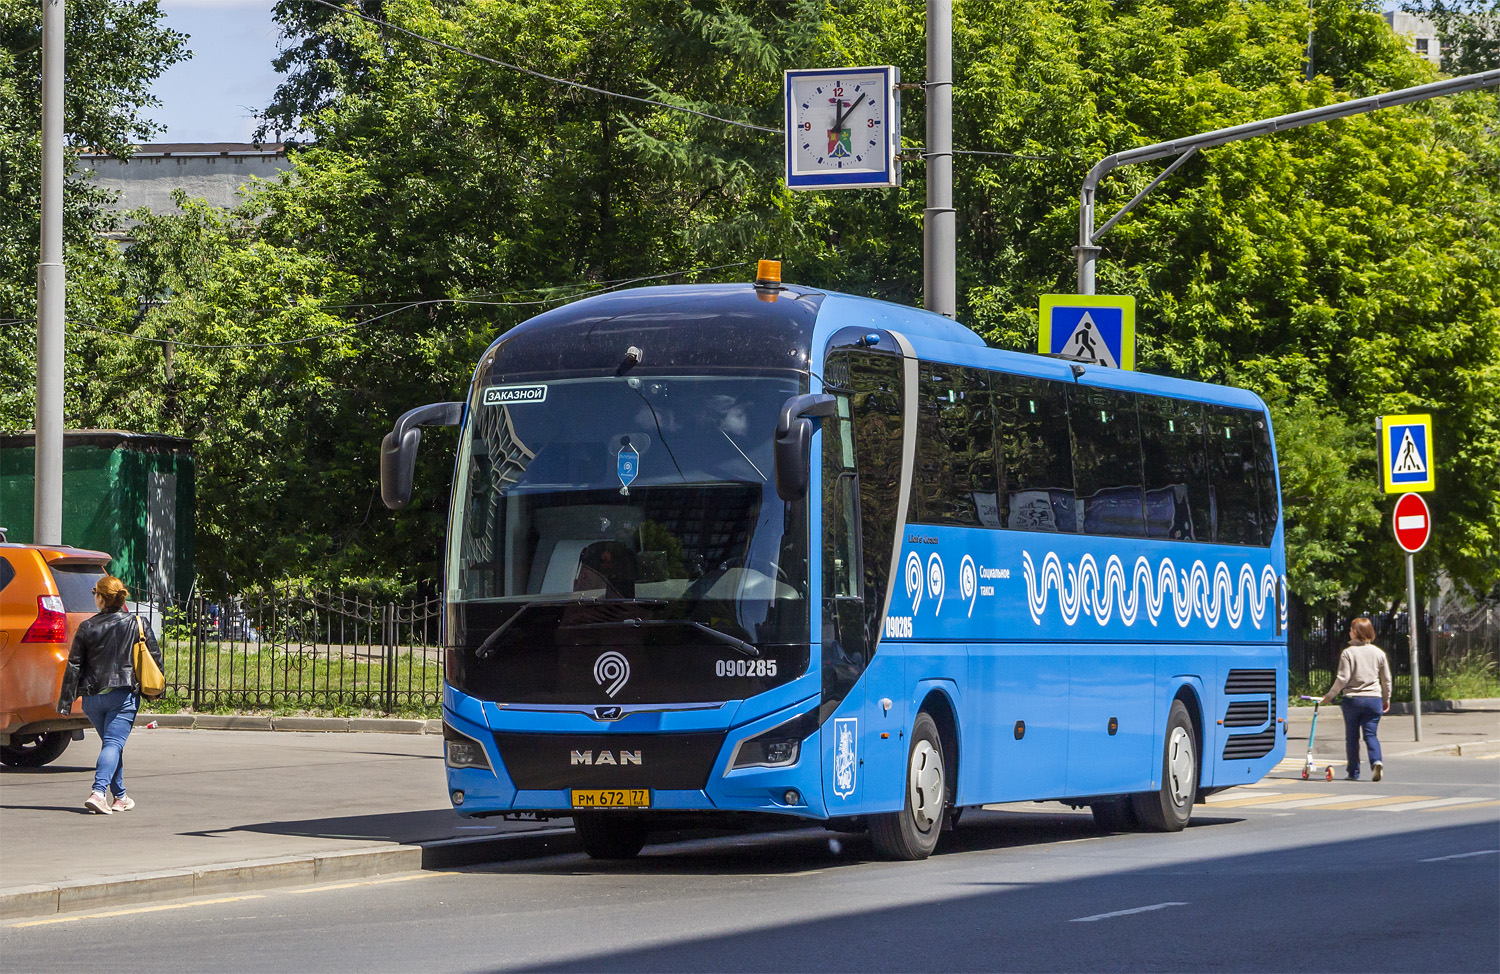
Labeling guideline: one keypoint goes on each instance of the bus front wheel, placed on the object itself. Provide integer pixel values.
(606, 835)
(1168, 809)
(912, 833)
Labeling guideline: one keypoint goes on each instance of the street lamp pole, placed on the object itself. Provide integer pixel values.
(1088, 248)
(50, 290)
(939, 219)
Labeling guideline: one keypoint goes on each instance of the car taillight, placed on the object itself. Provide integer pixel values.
(51, 625)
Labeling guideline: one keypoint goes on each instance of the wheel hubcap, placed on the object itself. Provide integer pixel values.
(1180, 766)
(926, 785)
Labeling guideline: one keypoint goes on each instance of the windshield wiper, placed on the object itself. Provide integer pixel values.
(733, 642)
(487, 648)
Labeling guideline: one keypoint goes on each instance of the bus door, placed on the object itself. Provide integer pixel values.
(862, 463)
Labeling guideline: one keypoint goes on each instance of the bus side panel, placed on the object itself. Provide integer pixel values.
(1243, 753)
(1011, 684)
(1112, 683)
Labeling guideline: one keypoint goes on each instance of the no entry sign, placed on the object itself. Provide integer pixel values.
(1412, 523)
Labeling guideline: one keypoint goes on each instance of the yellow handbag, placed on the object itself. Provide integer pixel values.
(147, 673)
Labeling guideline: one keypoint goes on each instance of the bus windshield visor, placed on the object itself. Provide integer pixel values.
(635, 514)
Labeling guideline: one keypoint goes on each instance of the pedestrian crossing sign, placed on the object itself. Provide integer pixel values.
(1406, 461)
(1089, 328)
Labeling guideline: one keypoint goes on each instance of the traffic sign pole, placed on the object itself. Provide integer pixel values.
(1411, 632)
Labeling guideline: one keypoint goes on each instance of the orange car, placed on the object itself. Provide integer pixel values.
(45, 592)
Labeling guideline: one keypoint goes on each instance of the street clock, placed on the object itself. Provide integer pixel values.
(843, 128)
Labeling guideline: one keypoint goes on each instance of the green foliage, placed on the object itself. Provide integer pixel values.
(113, 50)
(1342, 271)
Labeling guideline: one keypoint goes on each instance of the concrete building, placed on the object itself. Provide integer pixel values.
(213, 171)
(1421, 36)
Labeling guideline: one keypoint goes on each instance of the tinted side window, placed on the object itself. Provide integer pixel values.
(1107, 461)
(1034, 458)
(1231, 459)
(1177, 490)
(75, 583)
(954, 479)
(7, 573)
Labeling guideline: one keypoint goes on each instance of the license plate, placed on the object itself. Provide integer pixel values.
(612, 798)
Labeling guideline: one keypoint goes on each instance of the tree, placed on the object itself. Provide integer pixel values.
(114, 50)
(1468, 32)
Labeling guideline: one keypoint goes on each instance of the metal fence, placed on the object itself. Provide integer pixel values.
(315, 650)
(1447, 634)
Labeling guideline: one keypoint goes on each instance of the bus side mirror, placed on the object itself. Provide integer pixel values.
(794, 434)
(398, 451)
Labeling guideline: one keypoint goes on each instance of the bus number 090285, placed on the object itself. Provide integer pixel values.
(745, 667)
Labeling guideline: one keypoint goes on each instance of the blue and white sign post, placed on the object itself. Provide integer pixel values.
(1096, 329)
(1408, 467)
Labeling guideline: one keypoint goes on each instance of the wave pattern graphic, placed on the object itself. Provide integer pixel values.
(1083, 589)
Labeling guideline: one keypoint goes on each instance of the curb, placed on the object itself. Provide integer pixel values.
(316, 725)
(25, 902)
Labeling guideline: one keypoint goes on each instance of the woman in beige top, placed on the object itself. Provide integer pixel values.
(1365, 678)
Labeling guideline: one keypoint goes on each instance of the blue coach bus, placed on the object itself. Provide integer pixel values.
(724, 550)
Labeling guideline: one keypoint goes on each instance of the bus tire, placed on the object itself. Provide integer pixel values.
(607, 835)
(1168, 809)
(1115, 815)
(912, 833)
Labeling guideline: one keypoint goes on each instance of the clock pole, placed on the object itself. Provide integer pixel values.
(939, 247)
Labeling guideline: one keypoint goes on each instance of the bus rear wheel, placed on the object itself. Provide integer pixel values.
(1168, 809)
(606, 835)
(912, 833)
(1114, 815)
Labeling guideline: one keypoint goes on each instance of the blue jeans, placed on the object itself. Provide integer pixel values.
(113, 715)
(1361, 715)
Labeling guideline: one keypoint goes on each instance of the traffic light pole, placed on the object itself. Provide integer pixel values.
(1087, 250)
(939, 219)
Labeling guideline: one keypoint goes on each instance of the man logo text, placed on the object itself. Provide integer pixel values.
(605, 757)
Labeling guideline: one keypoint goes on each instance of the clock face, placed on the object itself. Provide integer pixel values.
(841, 128)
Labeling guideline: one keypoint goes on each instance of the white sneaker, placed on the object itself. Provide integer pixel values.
(1379, 770)
(97, 804)
(122, 803)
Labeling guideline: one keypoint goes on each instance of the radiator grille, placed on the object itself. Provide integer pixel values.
(1251, 681)
(1247, 713)
(1242, 747)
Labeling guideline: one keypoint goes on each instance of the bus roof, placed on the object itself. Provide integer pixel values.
(741, 326)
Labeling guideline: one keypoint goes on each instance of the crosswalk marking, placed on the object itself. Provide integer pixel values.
(1430, 803)
(1310, 802)
(1231, 796)
(1275, 798)
(1373, 802)
(1478, 805)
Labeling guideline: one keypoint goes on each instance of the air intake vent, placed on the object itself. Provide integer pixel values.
(1247, 713)
(1251, 681)
(1243, 747)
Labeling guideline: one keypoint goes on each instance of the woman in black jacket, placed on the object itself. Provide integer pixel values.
(103, 651)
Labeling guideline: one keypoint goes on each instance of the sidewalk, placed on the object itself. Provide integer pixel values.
(223, 811)
(235, 810)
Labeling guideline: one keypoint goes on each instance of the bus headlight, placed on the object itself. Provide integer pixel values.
(777, 747)
(462, 751)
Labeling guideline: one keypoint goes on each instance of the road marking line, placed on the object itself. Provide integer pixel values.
(1434, 803)
(1122, 913)
(1373, 802)
(1307, 802)
(1454, 808)
(1229, 797)
(369, 882)
(1462, 855)
(1268, 800)
(139, 909)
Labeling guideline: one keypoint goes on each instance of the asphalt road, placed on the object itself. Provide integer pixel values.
(1282, 876)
